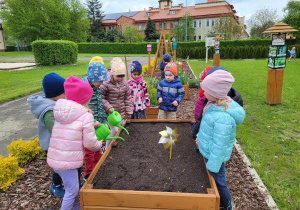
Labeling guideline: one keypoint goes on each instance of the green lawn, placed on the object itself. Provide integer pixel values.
(30, 54)
(270, 135)
(14, 84)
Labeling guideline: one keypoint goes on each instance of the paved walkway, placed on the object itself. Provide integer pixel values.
(17, 121)
(19, 66)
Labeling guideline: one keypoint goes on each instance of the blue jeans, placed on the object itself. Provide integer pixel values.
(71, 183)
(162, 76)
(224, 192)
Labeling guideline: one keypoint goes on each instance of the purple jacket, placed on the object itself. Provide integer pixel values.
(198, 107)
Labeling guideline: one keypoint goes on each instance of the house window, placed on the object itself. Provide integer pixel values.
(165, 25)
(144, 26)
(200, 23)
(160, 25)
(172, 25)
(207, 22)
(176, 24)
(212, 22)
(195, 24)
(109, 27)
(140, 26)
(148, 14)
(195, 38)
(172, 12)
(199, 37)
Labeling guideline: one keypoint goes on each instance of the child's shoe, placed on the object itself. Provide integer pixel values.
(57, 190)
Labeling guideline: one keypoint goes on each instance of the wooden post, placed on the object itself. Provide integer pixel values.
(274, 86)
(174, 56)
(149, 62)
(216, 61)
(126, 68)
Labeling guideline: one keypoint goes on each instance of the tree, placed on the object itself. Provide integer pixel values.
(150, 31)
(228, 27)
(51, 19)
(113, 35)
(95, 15)
(292, 16)
(260, 21)
(131, 34)
(180, 31)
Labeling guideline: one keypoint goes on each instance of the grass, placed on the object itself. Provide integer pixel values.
(270, 135)
(14, 84)
(30, 54)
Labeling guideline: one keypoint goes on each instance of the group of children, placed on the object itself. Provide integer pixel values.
(71, 109)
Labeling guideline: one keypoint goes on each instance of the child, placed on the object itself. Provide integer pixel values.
(96, 75)
(218, 127)
(72, 131)
(116, 94)
(170, 93)
(42, 107)
(139, 91)
(166, 59)
(293, 54)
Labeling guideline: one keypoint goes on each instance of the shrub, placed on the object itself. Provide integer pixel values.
(10, 48)
(25, 151)
(53, 52)
(194, 83)
(9, 171)
(152, 89)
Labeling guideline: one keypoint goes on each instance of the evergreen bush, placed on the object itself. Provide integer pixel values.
(54, 52)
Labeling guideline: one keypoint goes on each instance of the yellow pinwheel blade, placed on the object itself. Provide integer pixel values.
(164, 134)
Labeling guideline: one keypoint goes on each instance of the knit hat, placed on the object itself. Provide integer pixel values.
(78, 90)
(215, 68)
(204, 72)
(218, 84)
(97, 59)
(117, 66)
(53, 85)
(136, 67)
(96, 72)
(167, 57)
(172, 67)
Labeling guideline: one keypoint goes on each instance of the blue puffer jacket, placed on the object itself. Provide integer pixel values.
(169, 92)
(217, 133)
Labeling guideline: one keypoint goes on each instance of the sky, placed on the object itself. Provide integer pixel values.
(243, 7)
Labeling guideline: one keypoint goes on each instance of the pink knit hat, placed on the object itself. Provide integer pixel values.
(218, 84)
(78, 90)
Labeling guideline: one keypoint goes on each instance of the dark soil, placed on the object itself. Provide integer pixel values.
(141, 163)
(31, 190)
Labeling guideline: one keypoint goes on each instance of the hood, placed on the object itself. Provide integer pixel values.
(67, 111)
(39, 103)
(235, 111)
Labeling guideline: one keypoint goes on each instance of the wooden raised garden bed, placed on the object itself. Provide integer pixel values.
(139, 173)
(152, 112)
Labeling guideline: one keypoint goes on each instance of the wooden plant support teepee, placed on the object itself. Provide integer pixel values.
(275, 71)
(164, 46)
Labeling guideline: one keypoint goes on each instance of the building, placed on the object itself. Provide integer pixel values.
(167, 17)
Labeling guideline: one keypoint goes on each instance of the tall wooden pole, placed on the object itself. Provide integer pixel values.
(149, 62)
(126, 67)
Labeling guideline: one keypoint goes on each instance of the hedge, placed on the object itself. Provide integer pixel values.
(53, 52)
(235, 49)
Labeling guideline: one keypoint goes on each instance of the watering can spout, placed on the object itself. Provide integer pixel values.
(103, 132)
(114, 118)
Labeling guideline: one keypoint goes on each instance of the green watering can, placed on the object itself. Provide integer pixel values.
(114, 118)
(103, 132)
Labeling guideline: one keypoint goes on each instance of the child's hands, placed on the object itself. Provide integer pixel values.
(175, 103)
(196, 141)
(97, 124)
(160, 100)
(110, 110)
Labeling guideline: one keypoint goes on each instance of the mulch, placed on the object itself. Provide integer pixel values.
(31, 190)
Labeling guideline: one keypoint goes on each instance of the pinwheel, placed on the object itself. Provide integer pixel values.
(169, 138)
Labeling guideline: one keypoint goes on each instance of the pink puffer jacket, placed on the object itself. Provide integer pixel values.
(72, 131)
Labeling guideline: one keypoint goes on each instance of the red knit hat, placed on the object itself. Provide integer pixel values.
(172, 67)
(78, 90)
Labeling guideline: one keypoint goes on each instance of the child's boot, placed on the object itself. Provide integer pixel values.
(57, 190)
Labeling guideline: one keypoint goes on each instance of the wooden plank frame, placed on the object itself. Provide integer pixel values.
(92, 199)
